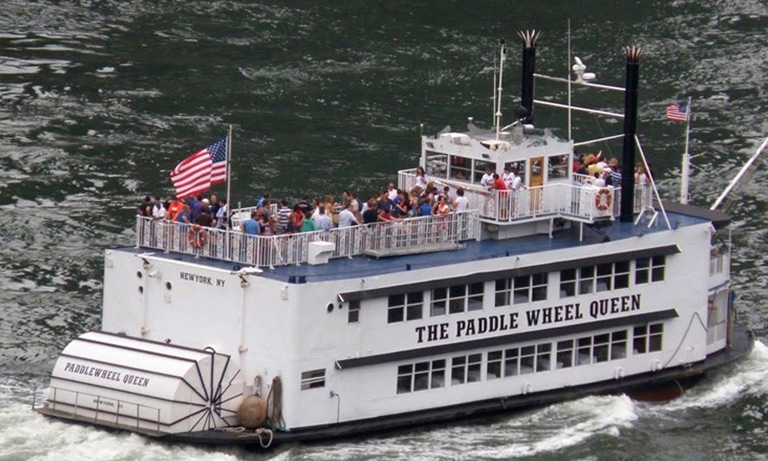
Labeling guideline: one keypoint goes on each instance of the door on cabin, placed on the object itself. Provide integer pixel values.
(535, 182)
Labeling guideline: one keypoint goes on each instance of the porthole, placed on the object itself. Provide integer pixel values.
(329, 307)
(139, 274)
(141, 290)
(168, 286)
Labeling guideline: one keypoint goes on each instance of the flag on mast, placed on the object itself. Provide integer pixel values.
(678, 112)
(201, 170)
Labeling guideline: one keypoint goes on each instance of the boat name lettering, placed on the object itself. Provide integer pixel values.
(109, 375)
(605, 306)
(204, 279)
(533, 317)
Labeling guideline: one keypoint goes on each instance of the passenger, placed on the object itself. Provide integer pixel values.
(419, 182)
(158, 211)
(315, 210)
(330, 207)
(268, 224)
(391, 192)
(251, 226)
(461, 203)
(487, 180)
(283, 217)
(304, 205)
(222, 215)
(426, 207)
(214, 205)
(297, 218)
(195, 207)
(174, 209)
(184, 216)
(347, 216)
(598, 181)
(508, 177)
(263, 201)
(204, 219)
(324, 221)
(307, 225)
(400, 205)
(371, 215)
(145, 208)
(442, 206)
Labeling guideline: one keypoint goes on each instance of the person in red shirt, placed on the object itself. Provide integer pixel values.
(503, 196)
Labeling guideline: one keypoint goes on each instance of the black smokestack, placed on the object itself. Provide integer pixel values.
(529, 38)
(630, 130)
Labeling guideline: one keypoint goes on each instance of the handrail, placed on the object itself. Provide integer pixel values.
(54, 402)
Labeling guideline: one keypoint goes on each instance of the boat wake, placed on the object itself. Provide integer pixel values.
(538, 433)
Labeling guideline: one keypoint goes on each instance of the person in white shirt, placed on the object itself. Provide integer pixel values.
(508, 177)
(461, 203)
(158, 211)
(487, 179)
(347, 217)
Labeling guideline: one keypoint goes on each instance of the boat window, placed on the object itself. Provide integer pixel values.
(353, 313)
(408, 306)
(457, 299)
(312, 379)
(647, 338)
(558, 166)
(518, 168)
(421, 376)
(461, 168)
(437, 165)
(466, 369)
(565, 354)
(650, 269)
(521, 290)
(480, 167)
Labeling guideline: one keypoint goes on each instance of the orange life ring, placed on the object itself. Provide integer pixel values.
(603, 199)
(196, 236)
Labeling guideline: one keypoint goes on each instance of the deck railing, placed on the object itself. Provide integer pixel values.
(575, 200)
(86, 405)
(285, 249)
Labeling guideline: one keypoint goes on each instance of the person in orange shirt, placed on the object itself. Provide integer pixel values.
(174, 209)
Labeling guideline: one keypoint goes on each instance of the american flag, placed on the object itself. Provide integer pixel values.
(678, 112)
(201, 170)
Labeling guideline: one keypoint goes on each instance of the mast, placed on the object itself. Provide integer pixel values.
(686, 168)
(502, 54)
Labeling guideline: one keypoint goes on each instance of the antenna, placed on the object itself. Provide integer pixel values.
(502, 57)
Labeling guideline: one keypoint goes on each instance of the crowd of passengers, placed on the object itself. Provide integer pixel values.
(604, 172)
(310, 214)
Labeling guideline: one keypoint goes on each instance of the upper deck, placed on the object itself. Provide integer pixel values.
(456, 234)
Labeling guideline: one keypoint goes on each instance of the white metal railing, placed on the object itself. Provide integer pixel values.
(285, 249)
(87, 405)
(575, 200)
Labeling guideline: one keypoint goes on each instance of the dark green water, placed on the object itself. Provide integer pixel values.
(100, 99)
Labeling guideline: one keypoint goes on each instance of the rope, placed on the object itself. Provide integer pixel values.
(275, 404)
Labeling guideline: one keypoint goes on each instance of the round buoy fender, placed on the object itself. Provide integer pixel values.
(603, 199)
(252, 412)
(196, 236)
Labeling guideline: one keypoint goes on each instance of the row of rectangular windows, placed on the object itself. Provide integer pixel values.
(535, 358)
(524, 289)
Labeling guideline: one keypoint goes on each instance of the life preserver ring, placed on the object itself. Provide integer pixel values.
(196, 236)
(603, 199)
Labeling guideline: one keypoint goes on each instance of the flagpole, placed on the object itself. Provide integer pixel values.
(686, 169)
(229, 188)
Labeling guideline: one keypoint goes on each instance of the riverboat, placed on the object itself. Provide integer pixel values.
(554, 290)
